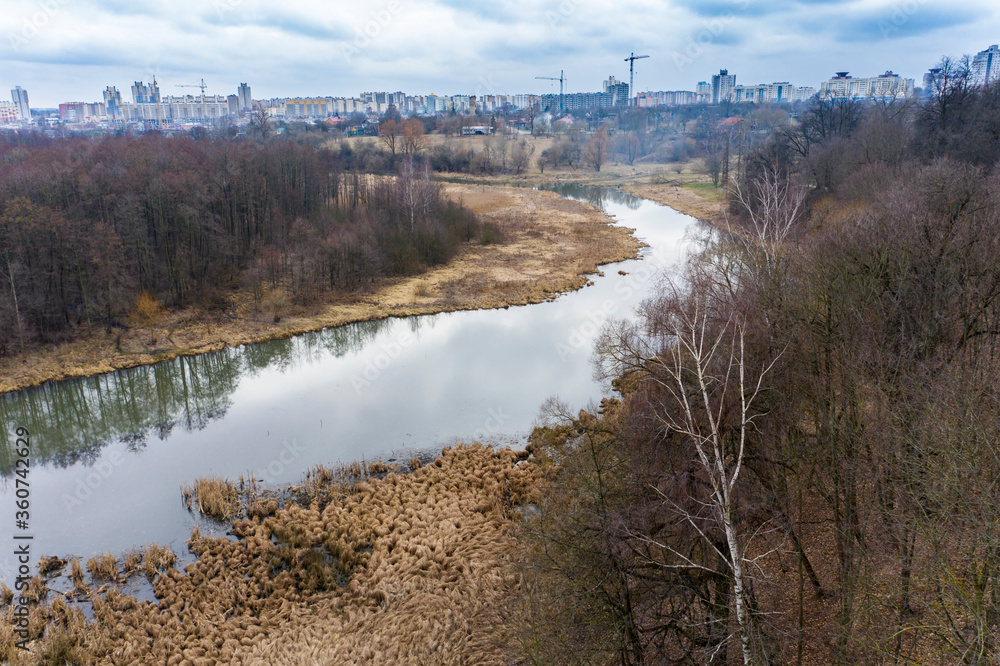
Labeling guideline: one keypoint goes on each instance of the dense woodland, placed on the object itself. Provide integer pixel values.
(803, 466)
(88, 225)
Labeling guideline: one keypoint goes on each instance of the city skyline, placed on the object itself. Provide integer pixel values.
(62, 50)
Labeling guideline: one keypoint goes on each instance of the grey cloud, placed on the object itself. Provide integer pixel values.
(716, 8)
(303, 26)
(501, 12)
(896, 22)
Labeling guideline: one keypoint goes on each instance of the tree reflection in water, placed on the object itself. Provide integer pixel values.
(71, 421)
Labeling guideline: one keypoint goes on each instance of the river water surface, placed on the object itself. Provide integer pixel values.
(110, 453)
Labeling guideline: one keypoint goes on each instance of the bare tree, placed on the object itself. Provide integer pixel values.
(388, 133)
(709, 395)
(773, 204)
(260, 122)
(597, 148)
(9, 265)
(418, 191)
(704, 374)
(520, 156)
(413, 136)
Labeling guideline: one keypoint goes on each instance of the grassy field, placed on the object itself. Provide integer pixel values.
(706, 190)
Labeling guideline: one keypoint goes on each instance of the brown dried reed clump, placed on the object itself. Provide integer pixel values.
(76, 575)
(213, 497)
(48, 565)
(103, 567)
(262, 507)
(404, 569)
(157, 559)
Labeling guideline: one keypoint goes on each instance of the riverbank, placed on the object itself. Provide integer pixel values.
(682, 199)
(682, 188)
(551, 245)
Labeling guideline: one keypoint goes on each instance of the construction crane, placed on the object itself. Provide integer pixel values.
(204, 109)
(561, 80)
(631, 75)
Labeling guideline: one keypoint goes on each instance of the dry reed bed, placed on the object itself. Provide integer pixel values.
(403, 569)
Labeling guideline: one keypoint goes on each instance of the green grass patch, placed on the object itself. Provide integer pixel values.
(706, 191)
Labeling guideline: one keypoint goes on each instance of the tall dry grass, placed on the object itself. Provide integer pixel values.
(213, 496)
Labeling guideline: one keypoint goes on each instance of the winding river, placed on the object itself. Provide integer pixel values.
(110, 453)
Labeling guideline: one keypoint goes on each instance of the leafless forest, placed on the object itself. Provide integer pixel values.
(803, 465)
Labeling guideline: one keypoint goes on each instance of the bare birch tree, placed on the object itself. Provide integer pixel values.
(698, 358)
(773, 204)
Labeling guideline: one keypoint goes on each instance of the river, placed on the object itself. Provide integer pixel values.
(110, 453)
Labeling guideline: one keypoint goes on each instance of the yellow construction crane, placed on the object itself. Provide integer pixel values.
(204, 109)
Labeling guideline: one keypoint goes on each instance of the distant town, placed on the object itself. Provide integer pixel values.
(150, 109)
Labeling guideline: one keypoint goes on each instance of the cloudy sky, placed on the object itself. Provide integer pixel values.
(69, 50)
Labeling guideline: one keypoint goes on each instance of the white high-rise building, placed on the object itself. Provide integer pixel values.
(8, 113)
(722, 86)
(765, 92)
(143, 94)
(20, 97)
(883, 86)
(113, 103)
(523, 101)
(986, 66)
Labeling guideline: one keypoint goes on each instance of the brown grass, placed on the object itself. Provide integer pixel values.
(550, 245)
(76, 575)
(680, 197)
(408, 568)
(131, 562)
(421, 290)
(103, 567)
(213, 497)
(157, 559)
(47, 565)
(262, 507)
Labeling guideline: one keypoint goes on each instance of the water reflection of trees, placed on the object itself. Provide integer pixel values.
(594, 195)
(70, 421)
